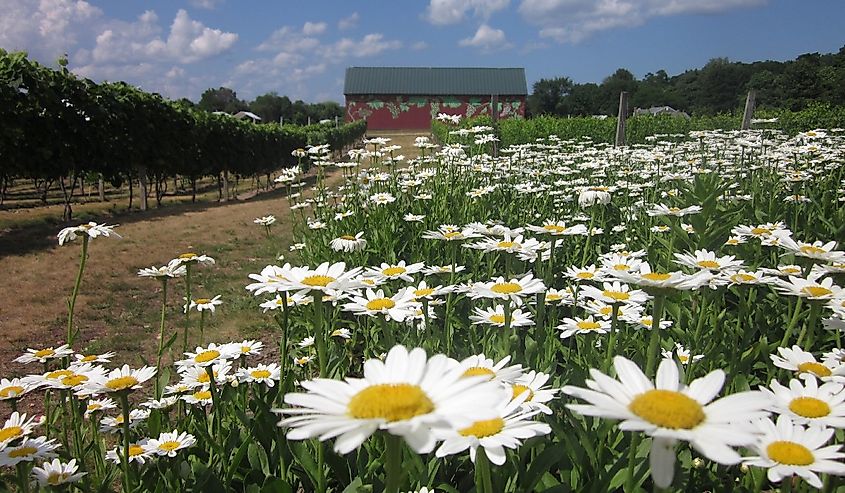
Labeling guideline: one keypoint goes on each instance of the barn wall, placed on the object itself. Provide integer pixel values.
(388, 112)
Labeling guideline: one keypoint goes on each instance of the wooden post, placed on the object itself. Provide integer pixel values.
(101, 188)
(225, 185)
(494, 114)
(620, 120)
(142, 180)
(749, 109)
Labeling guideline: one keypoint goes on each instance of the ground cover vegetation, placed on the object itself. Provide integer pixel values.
(567, 316)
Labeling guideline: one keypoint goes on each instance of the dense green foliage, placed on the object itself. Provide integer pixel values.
(519, 131)
(720, 86)
(55, 126)
(270, 107)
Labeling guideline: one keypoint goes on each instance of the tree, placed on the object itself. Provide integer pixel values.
(221, 99)
(271, 107)
(547, 95)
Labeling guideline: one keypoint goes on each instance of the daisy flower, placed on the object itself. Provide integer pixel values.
(442, 269)
(811, 289)
(707, 260)
(397, 307)
(29, 449)
(343, 333)
(192, 258)
(211, 355)
(512, 290)
(407, 395)
(327, 278)
(169, 271)
(119, 380)
(348, 243)
(620, 263)
(170, 443)
(15, 427)
(804, 364)
(581, 274)
(683, 355)
(644, 277)
(92, 229)
(788, 449)
(563, 296)
(670, 411)
(480, 365)
(413, 218)
(202, 304)
(825, 252)
(396, 271)
(99, 405)
(307, 342)
(56, 473)
(507, 430)
(93, 358)
(558, 228)
(44, 355)
(746, 277)
(446, 233)
(808, 403)
(266, 374)
(163, 403)
(197, 376)
(15, 388)
(605, 311)
(271, 279)
(496, 317)
(265, 220)
(138, 452)
(201, 397)
(302, 360)
(244, 348)
(382, 198)
(664, 210)
(571, 326)
(534, 383)
(646, 321)
(114, 424)
(424, 291)
(615, 293)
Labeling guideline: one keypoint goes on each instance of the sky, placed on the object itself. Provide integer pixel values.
(179, 48)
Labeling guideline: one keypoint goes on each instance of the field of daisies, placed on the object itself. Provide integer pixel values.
(565, 316)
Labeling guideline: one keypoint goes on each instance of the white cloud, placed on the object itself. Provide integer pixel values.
(45, 28)
(314, 28)
(443, 12)
(486, 38)
(570, 21)
(419, 46)
(369, 45)
(348, 22)
(206, 4)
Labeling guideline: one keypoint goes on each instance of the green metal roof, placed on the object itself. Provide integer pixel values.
(436, 81)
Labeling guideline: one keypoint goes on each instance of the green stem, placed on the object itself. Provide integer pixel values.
(202, 327)
(386, 332)
(483, 481)
(161, 335)
(792, 322)
(319, 333)
(654, 341)
(188, 301)
(124, 404)
(810, 328)
(72, 302)
(614, 321)
(392, 463)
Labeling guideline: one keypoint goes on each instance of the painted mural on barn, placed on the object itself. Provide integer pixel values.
(416, 112)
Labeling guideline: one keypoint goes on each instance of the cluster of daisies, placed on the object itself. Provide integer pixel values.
(808, 411)
(460, 405)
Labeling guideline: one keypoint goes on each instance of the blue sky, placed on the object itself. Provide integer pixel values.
(300, 49)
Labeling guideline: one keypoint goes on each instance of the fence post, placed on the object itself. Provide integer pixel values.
(142, 180)
(749, 109)
(620, 120)
(494, 113)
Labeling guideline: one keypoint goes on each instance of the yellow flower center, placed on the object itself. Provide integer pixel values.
(674, 210)
(476, 371)
(245, 349)
(44, 353)
(202, 395)
(621, 267)
(89, 358)
(740, 278)
(394, 271)
(11, 392)
(206, 356)
(554, 228)
(22, 452)
(391, 402)
(497, 318)
(10, 433)
(93, 407)
(379, 304)
(816, 291)
(506, 288)
(656, 276)
(135, 449)
(74, 380)
(616, 295)
(187, 256)
(57, 478)
(484, 428)
(790, 453)
(202, 301)
(813, 250)
(761, 231)
(518, 390)
(317, 280)
(809, 407)
(588, 325)
(420, 293)
(348, 238)
(258, 374)
(606, 310)
(169, 446)
(683, 358)
(451, 234)
(508, 244)
(118, 420)
(585, 275)
(599, 189)
(708, 264)
(121, 383)
(668, 409)
(204, 378)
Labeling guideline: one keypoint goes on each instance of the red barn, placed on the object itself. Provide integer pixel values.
(392, 98)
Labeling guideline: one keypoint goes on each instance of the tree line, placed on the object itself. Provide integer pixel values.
(271, 107)
(718, 87)
(56, 128)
